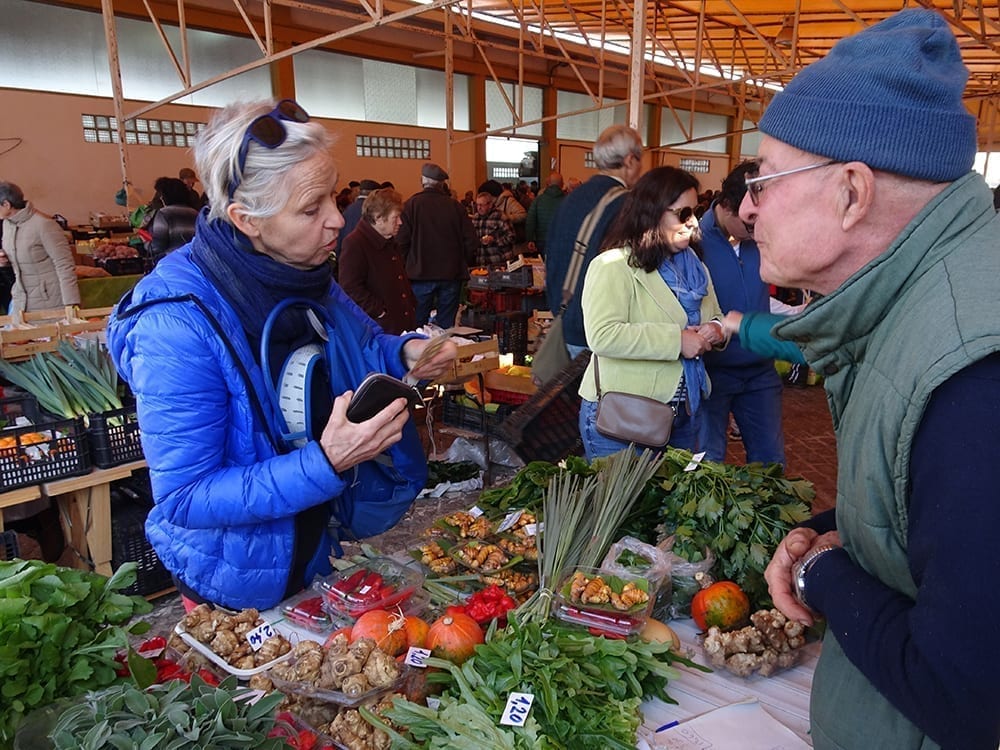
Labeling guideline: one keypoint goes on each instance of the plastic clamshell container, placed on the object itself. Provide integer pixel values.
(604, 618)
(310, 690)
(297, 725)
(378, 583)
(308, 610)
(220, 662)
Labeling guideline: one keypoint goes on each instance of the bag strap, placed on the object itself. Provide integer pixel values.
(597, 378)
(582, 242)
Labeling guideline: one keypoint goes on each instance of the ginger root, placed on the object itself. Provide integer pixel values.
(771, 643)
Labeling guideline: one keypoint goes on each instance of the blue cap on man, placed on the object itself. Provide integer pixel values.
(889, 96)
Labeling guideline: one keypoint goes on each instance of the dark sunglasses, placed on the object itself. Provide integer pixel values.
(682, 214)
(268, 132)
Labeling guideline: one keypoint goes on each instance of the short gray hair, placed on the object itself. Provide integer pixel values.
(615, 144)
(12, 194)
(427, 182)
(262, 189)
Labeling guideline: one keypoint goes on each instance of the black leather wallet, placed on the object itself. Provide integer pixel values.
(376, 392)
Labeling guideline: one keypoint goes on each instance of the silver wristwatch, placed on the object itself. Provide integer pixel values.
(801, 568)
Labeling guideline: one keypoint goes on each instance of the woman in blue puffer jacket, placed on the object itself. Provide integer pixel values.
(249, 504)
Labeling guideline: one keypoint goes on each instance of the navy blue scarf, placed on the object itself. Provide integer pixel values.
(253, 283)
(687, 279)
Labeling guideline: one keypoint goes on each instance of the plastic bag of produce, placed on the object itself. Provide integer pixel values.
(682, 578)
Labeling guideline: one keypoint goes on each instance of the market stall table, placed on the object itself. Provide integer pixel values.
(784, 695)
(85, 510)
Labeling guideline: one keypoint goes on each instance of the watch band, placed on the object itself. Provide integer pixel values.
(801, 569)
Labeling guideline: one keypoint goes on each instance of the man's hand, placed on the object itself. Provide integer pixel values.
(347, 444)
(778, 575)
(732, 322)
(713, 332)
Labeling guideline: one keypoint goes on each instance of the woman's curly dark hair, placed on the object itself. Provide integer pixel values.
(637, 224)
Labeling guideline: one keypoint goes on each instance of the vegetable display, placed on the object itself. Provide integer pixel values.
(71, 383)
(587, 691)
(740, 513)
(178, 715)
(60, 630)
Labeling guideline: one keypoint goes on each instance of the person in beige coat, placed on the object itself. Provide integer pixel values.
(44, 270)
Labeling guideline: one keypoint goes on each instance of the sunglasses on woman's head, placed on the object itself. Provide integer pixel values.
(267, 131)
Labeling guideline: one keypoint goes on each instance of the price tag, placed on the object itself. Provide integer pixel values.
(531, 529)
(416, 657)
(509, 521)
(475, 511)
(515, 713)
(695, 461)
(259, 634)
(433, 702)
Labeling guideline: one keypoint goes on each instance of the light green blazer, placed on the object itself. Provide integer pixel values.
(633, 323)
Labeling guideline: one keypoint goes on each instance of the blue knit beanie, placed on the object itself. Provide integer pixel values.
(889, 96)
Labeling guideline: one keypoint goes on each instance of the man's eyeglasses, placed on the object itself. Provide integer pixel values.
(755, 185)
(268, 132)
(683, 214)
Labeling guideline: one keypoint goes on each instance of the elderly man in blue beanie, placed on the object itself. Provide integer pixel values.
(866, 194)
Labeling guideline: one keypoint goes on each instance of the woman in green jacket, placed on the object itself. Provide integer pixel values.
(649, 309)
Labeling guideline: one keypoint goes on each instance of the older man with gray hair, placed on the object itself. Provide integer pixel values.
(439, 244)
(866, 194)
(618, 154)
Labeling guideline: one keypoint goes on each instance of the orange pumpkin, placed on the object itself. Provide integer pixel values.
(721, 604)
(416, 631)
(454, 637)
(387, 629)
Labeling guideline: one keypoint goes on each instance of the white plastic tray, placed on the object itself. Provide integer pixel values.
(204, 650)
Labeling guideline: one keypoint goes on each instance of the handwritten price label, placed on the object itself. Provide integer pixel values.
(509, 521)
(515, 713)
(259, 634)
(475, 511)
(417, 657)
(695, 461)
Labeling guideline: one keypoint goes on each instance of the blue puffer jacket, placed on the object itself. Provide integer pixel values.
(226, 498)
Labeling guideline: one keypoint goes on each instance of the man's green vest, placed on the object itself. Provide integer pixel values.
(883, 341)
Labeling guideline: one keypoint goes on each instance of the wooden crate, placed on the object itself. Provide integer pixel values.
(495, 379)
(25, 334)
(465, 366)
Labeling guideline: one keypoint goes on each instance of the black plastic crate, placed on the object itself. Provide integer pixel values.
(114, 437)
(547, 426)
(9, 548)
(479, 281)
(16, 404)
(129, 543)
(520, 278)
(483, 321)
(455, 413)
(511, 330)
(123, 266)
(43, 452)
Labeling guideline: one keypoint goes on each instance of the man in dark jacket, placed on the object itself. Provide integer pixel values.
(618, 154)
(438, 243)
(743, 383)
(541, 211)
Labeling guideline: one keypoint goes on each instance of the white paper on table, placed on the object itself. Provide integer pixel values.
(738, 726)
